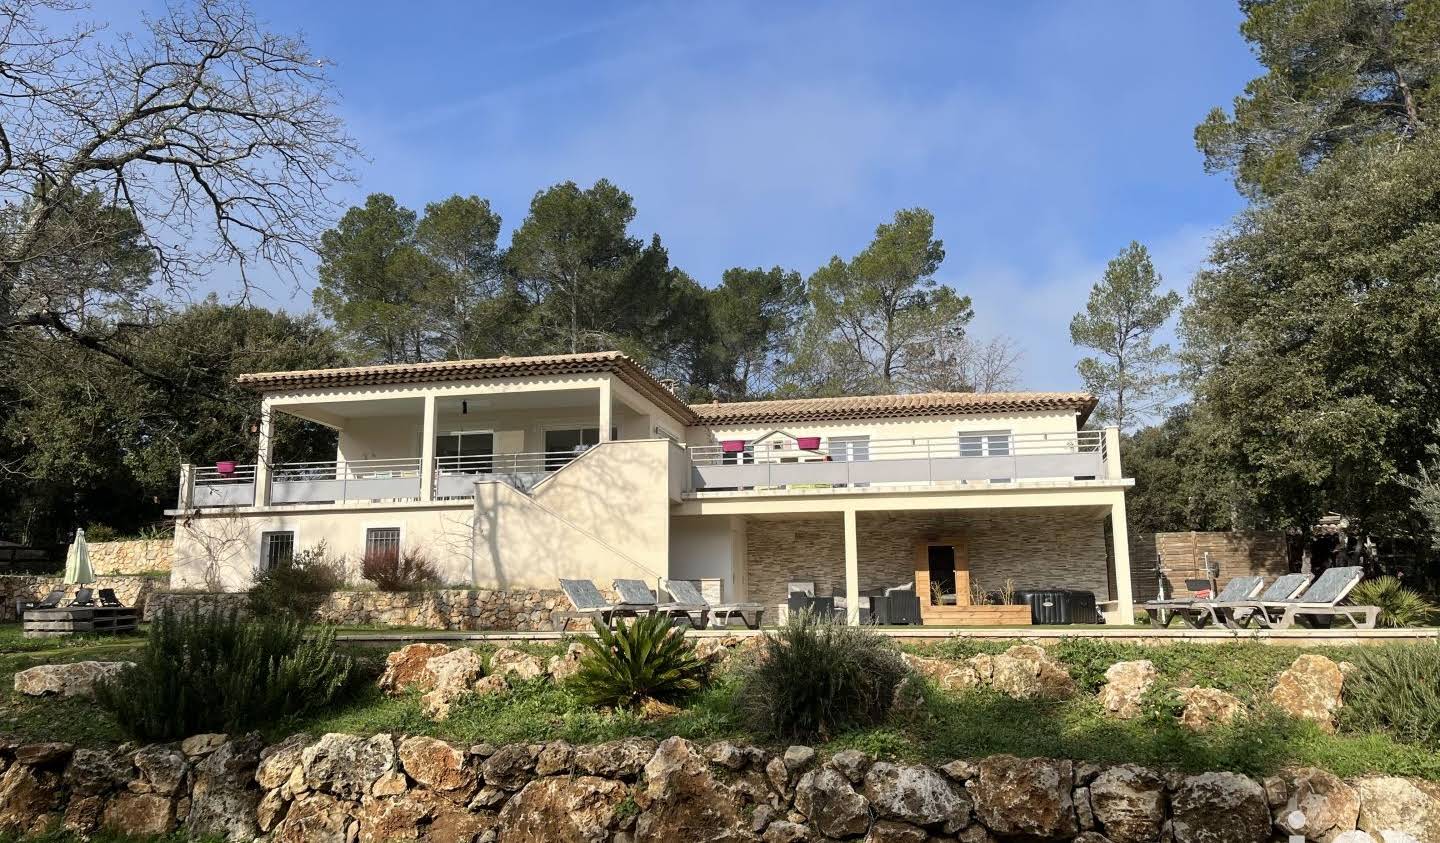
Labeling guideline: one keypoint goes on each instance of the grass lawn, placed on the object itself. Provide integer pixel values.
(949, 725)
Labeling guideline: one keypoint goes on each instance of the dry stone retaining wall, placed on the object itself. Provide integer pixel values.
(344, 788)
(451, 608)
(132, 590)
(141, 556)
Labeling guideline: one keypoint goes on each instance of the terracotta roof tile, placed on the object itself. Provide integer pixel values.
(892, 406)
(490, 368)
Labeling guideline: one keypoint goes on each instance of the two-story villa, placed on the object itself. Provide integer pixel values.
(512, 472)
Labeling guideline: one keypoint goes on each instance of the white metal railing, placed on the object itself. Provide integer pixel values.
(345, 480)
(222, 484)
(852, 461)
(455, 476)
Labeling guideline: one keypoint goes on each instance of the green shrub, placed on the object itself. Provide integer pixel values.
(1395, 690)
(1399, 606)
(1089, 658)
(816, 678)
(647, 658)
(296, 586)
(218, 673)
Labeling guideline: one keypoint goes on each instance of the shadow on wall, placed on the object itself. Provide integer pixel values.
(603, 515)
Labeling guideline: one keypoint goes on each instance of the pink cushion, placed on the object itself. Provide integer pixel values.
(732, 446)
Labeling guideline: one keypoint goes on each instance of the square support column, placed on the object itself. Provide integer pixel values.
(1120, 535)
(264, 452)
(427, 451)
(605, 414)
(852, 570)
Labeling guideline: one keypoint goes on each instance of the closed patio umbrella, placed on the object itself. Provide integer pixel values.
(77, 562)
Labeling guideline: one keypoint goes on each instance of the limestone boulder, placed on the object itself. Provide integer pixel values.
(1128, 803)
(853, 763)
(1204, 708)
(682, 800)
(826, 797)
(1026, 671)
(784, 831)
(455, 674)
(567, 664)
(555, 757)
(1219, 808)
(315, 818)
(516, 664)
(140, 814)
(278, 762)
(44, 753)
(408, 668)
(1399, 805)
(346, 765)
(1318, 804)
(890, 831)
(203, 744)
(1310, 689)
(161, 769)
(1025, 796)
(945, 673)
(445, 769)
(563, 809)
(76, 679)
(510, 767)
(1125, 686)
(223, 796)
(97, 771)
(28, 798)
(917, 795)
(620, 759)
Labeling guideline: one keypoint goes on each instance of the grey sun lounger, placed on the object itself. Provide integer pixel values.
(750, 614)
(1320, 600)
(590, 603)
(1235, 614)
(637, 593)
(1239, 588)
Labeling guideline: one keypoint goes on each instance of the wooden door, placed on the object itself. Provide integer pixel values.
(923, 566)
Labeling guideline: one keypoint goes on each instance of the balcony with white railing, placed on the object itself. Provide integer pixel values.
(357, 481)
(856, 462)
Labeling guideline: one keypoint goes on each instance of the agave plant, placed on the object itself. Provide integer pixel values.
(1399, 606)
(647, 658)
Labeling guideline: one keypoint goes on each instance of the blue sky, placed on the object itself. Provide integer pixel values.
(1044, 136)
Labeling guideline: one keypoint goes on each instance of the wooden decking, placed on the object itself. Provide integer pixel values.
(73, 620)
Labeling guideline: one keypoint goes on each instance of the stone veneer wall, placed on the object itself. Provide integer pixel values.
(1045, 548)
(132, 590)
(141, 556)
(340, 788)
(452, 608)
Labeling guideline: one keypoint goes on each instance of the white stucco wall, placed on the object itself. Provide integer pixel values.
(911, 428)
(709, 547)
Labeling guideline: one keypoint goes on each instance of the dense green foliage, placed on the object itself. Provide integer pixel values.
(1395, 690)
(219, 673)
(1399, 606)
(294, 588)
(1132, 376)
(1338, 73)
(815, 678)
(646, 658)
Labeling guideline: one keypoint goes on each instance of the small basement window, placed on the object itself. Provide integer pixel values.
(276, 548)
(382, 540)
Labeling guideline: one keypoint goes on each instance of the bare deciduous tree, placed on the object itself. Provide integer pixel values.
(205, 139)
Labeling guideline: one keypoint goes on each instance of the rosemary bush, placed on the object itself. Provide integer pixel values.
(218, 673)
(815, 677)
(1395, 690)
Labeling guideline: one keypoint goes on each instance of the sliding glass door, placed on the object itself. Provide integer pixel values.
(466, 452)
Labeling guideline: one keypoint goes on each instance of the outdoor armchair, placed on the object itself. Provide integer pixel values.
(83, 597)
(49, 601)
(108, 598)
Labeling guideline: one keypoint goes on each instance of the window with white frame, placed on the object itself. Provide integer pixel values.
(276, 548)
(382, 540)
(848, 448)
(987, 443)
